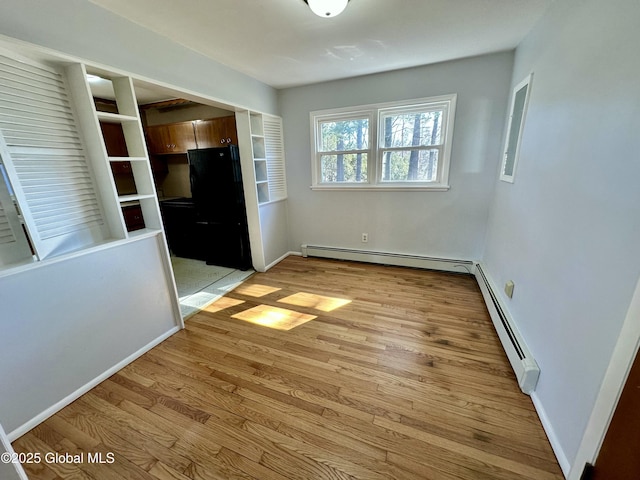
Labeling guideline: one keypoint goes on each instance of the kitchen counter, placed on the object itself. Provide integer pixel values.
(172, 199)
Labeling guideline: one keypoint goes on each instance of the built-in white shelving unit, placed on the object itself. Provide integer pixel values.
(259, 157)
(118, 208)
(260, 139)
(268, 157)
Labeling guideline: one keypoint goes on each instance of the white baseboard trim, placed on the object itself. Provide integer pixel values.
(385, 258)
(38, 419)
(565, 465)
(277, 261)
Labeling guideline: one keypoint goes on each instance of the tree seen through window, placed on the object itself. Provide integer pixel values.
(347, 140)
(410, 146)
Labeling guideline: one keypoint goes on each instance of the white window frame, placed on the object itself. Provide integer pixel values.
(515, 147)
(375, 150)
(338, 115)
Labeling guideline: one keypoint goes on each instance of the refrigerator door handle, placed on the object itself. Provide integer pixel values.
(191, 177)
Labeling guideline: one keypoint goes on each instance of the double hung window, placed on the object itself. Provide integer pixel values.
(402, 145)
(344, 147)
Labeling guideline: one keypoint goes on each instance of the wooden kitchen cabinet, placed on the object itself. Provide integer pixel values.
(119, 168)
(116, 146)
(171, 138)
(133, 217)
(114, 139)
(217, 132)
(159, 164)
(183, 136)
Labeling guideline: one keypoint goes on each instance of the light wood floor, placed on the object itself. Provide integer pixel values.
(397, 373)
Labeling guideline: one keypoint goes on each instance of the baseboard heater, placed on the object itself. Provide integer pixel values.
(522, 362)
(397, 259)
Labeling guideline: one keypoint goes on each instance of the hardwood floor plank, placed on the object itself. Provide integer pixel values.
(399, 375)
(99, 427)
(438, 459)
(129, 421)
(183, 408)
(114, 393)
(335, 464)
(427, 471)
(164, 472)
(368, 464)
(70, 433)
(30, 442)
(38, 470)
(195, 441)
(256, 470)
(309, 423)
(520, 469)
(212, 469)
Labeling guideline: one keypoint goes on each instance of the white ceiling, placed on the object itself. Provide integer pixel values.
(282, 43)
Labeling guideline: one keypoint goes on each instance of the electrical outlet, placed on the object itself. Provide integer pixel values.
(365, 237)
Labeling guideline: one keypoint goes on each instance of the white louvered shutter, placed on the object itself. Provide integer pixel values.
(274, 147)
(6, 233)
(45, 159)
(14, 247)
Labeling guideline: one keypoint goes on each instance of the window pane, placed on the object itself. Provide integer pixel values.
(514, 130)
(344, 168)
(410, 166)
(412, 129)
(344, 135)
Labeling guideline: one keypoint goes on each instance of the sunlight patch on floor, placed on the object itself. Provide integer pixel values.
(221, 304)
(318, 302)
(256, 290)
(274, 317)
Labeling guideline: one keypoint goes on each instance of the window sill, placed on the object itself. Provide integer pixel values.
(383, 188)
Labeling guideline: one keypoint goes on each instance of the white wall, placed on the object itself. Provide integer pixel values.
(444, 224)
(567, 232)
(66, 322)
(82, 29)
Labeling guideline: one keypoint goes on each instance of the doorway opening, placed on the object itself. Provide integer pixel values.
(195, 163)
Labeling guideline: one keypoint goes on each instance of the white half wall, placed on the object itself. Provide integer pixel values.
(82, 29)
(275, 231)
(567, 232)
(438, 224)
(65, 322)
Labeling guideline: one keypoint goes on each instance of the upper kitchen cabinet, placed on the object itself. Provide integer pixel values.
(217, 132)
(172, 138)
(182, 136)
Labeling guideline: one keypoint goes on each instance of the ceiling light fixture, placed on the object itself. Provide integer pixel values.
(327, 8)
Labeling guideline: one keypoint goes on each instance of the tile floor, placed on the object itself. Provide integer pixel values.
(200, 284)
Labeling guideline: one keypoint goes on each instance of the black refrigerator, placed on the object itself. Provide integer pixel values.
(220, 217)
